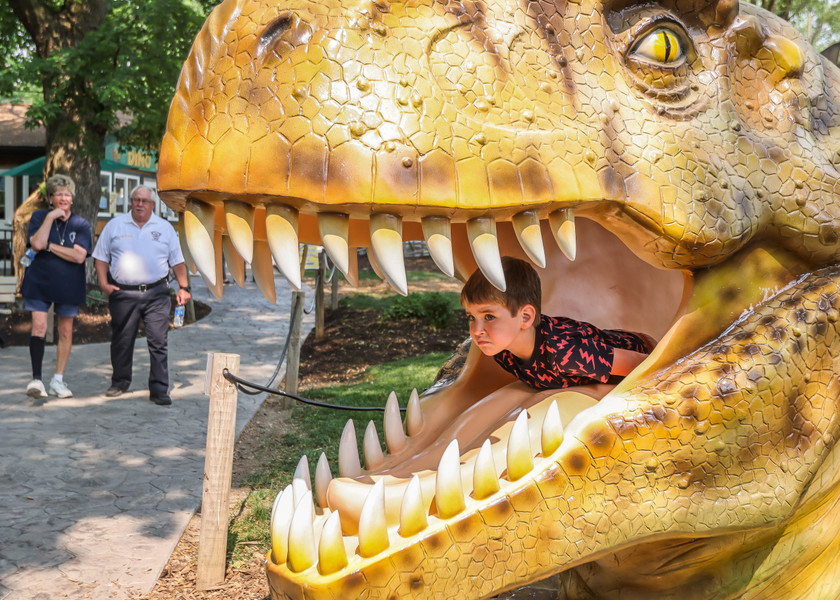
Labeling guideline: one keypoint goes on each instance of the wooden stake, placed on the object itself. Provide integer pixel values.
(293, 354)
(218, 467)
(334, 291)
(319, 297)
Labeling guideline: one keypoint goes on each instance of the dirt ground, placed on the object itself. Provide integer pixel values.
(92, 325)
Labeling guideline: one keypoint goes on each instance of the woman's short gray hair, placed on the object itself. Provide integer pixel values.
(60, 181)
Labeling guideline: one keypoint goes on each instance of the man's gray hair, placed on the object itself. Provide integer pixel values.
(60, 181)
(141, 187)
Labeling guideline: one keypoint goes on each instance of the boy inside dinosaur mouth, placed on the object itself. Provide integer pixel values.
(478, 435)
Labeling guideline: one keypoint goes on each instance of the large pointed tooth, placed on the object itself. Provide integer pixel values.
(485, 480)
(520, 461)
(199, 226)
(552, 430)
(281, 519)
(372, 448)
(332, 556)
(323, 476)
(302, 550)
(387, 243)
(335, 231)
(562, 224)
(373, 528)
(239, 219)
(527, 227)
(375, 265)
(438, 234)
(302, 472)
(485, 247)
(393, 426)
(281, 226)
(413, 510)
(235, 263)
(185, 250)
(263, 271)
(413, 414)
(348, 452)
(449, 494)
(300, 489)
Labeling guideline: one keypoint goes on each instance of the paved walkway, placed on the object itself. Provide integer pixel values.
(95, 492)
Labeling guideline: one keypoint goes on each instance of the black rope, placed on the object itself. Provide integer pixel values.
(282, 354)
(239, 382)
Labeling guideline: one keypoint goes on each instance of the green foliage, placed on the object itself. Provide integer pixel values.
(95, 298)
(315, 430)
(434, 308)
(817, 20)
(128, 66)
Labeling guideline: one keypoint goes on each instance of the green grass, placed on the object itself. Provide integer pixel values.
(315, 430)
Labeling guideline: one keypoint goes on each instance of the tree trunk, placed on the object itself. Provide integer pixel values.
(76, 136)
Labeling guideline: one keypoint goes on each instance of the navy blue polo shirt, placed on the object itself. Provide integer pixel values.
(50, 278)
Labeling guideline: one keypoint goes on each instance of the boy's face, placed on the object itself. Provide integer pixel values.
(493, 328)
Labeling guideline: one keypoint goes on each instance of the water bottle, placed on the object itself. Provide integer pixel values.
(26, 259)
(178, 321)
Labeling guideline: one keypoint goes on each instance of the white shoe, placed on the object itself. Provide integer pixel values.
(60, 389)
(35, 389)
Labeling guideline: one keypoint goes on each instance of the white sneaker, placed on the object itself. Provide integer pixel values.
(35, 389)
(60, 389)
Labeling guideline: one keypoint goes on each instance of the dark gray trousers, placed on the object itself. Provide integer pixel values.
(127, 308)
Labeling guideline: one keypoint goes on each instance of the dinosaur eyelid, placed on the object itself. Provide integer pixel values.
(662, 46)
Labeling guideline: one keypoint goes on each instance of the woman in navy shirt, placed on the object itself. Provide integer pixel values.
(61, 241)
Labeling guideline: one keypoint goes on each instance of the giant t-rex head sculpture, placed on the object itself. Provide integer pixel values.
(682, 153)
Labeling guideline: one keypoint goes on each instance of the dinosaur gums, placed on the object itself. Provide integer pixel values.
(670, 167)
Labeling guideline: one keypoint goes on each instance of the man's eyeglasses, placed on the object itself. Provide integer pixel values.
(143, 201)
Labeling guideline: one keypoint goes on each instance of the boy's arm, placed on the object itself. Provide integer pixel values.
(625, 361)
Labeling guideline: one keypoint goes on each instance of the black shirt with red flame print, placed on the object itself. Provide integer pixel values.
(569, 352)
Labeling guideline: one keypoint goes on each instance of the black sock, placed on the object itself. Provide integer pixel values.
(36, 354)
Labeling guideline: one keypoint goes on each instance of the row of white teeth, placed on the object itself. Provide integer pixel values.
(296, 523)
(281, 223)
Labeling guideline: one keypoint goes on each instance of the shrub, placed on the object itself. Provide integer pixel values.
(433, 307)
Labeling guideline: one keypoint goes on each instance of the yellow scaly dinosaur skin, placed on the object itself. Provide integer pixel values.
(710, 472)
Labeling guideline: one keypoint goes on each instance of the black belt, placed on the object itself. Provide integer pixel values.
(139, 288)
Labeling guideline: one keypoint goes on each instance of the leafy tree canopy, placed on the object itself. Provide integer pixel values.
(122, 72)
(818, 20)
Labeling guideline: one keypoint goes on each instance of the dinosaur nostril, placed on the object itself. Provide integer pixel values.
(288, 27)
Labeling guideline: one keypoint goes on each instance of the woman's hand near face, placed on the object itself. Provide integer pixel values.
(59, 213)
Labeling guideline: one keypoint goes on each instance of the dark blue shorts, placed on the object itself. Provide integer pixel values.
(61, 310)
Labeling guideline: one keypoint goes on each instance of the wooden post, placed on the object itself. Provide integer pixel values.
(334, 291)
(293, 354)
(218, 468)
(319, 297)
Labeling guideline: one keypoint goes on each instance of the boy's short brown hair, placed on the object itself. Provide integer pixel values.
(523, 287)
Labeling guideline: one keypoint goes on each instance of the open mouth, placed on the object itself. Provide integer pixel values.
(468, 441)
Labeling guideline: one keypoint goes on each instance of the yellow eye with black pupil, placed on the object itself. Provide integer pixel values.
(661, 46)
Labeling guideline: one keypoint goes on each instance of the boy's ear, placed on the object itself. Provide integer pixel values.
(528, 314)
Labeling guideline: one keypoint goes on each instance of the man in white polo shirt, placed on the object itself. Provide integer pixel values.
(132, 259)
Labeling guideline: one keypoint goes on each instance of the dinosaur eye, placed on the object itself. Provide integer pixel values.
(661, 46)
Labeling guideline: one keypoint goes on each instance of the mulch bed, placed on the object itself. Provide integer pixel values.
(92, 325)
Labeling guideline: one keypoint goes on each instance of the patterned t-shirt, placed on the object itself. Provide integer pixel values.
(569, 352)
